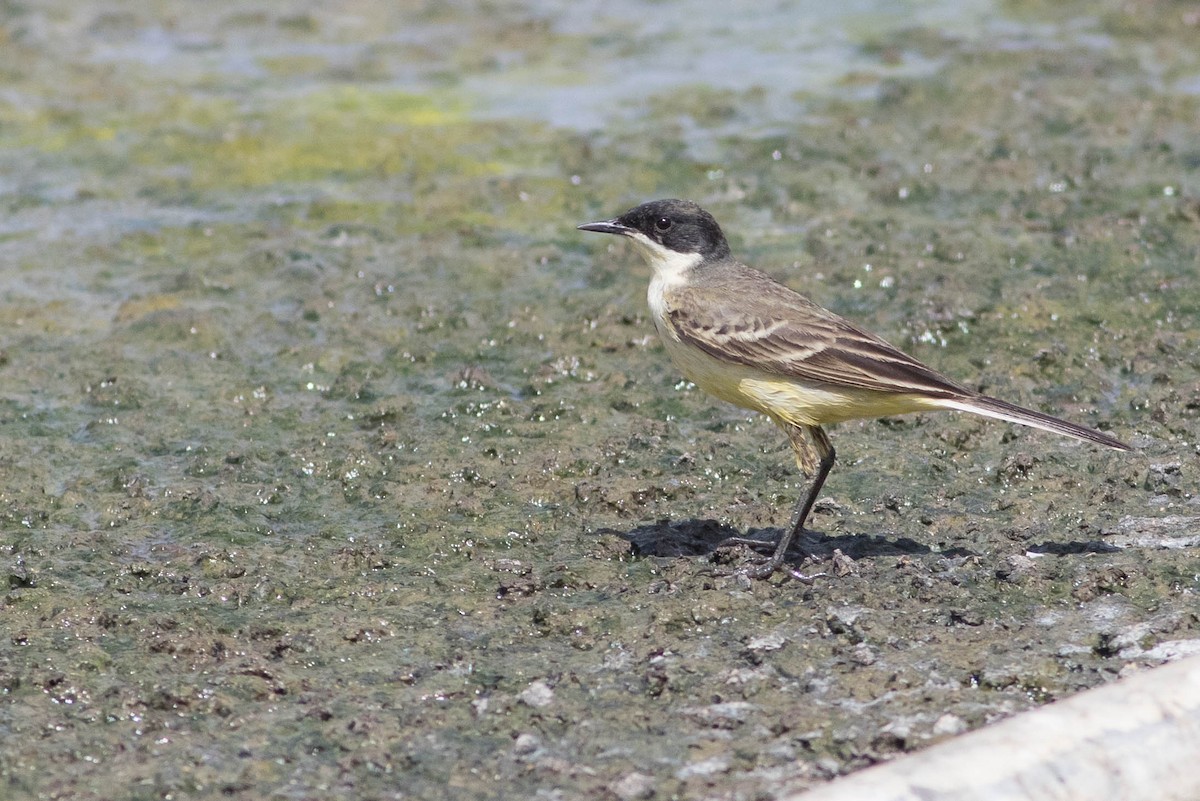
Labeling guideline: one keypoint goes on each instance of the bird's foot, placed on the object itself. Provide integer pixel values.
(766, 567)
(749, 542)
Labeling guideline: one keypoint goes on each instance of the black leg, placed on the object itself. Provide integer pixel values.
(825, 455)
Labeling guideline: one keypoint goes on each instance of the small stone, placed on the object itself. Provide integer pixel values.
(526, 743)
(767, 642)
(538, 694)
(705, 767)
(725, 715)
(1015, 568)
(949, 725)
(828, 767)
(846, 619)
(633, 787)
(863, 654)
(843, 565)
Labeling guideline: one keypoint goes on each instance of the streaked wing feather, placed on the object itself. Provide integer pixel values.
(780, 332)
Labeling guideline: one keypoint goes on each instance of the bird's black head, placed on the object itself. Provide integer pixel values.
(676, 225)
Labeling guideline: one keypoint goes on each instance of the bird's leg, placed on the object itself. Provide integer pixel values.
(815, 456)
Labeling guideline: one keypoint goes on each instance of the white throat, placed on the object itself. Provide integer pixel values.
(670, 266)
(671, 270)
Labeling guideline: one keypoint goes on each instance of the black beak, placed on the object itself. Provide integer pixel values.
(607, 227)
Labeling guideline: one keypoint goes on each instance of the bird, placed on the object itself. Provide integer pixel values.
(748, 339)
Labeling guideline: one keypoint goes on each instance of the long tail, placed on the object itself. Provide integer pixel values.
(1003, 410)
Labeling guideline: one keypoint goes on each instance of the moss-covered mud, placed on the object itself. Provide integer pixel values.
(337, 464)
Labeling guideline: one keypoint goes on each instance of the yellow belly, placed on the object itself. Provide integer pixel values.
(786, 399)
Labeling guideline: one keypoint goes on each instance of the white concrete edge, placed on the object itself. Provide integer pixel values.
(1137, 739)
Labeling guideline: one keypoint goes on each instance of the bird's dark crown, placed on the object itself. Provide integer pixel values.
(679, 225)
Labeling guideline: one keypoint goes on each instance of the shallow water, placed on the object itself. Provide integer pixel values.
(337, 463)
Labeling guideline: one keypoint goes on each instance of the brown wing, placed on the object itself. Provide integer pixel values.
(758, 322)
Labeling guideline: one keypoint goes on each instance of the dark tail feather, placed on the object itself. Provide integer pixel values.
(1003, 410)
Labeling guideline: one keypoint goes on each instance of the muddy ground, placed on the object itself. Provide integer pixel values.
(337, 464)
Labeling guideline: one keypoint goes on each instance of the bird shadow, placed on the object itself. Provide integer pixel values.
(1072, 548)
(707, 537)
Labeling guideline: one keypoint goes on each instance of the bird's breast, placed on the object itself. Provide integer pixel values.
(716, 377)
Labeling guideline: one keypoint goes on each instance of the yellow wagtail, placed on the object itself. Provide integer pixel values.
(747, 339)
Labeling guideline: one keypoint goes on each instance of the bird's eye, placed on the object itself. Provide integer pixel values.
(663, 224)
